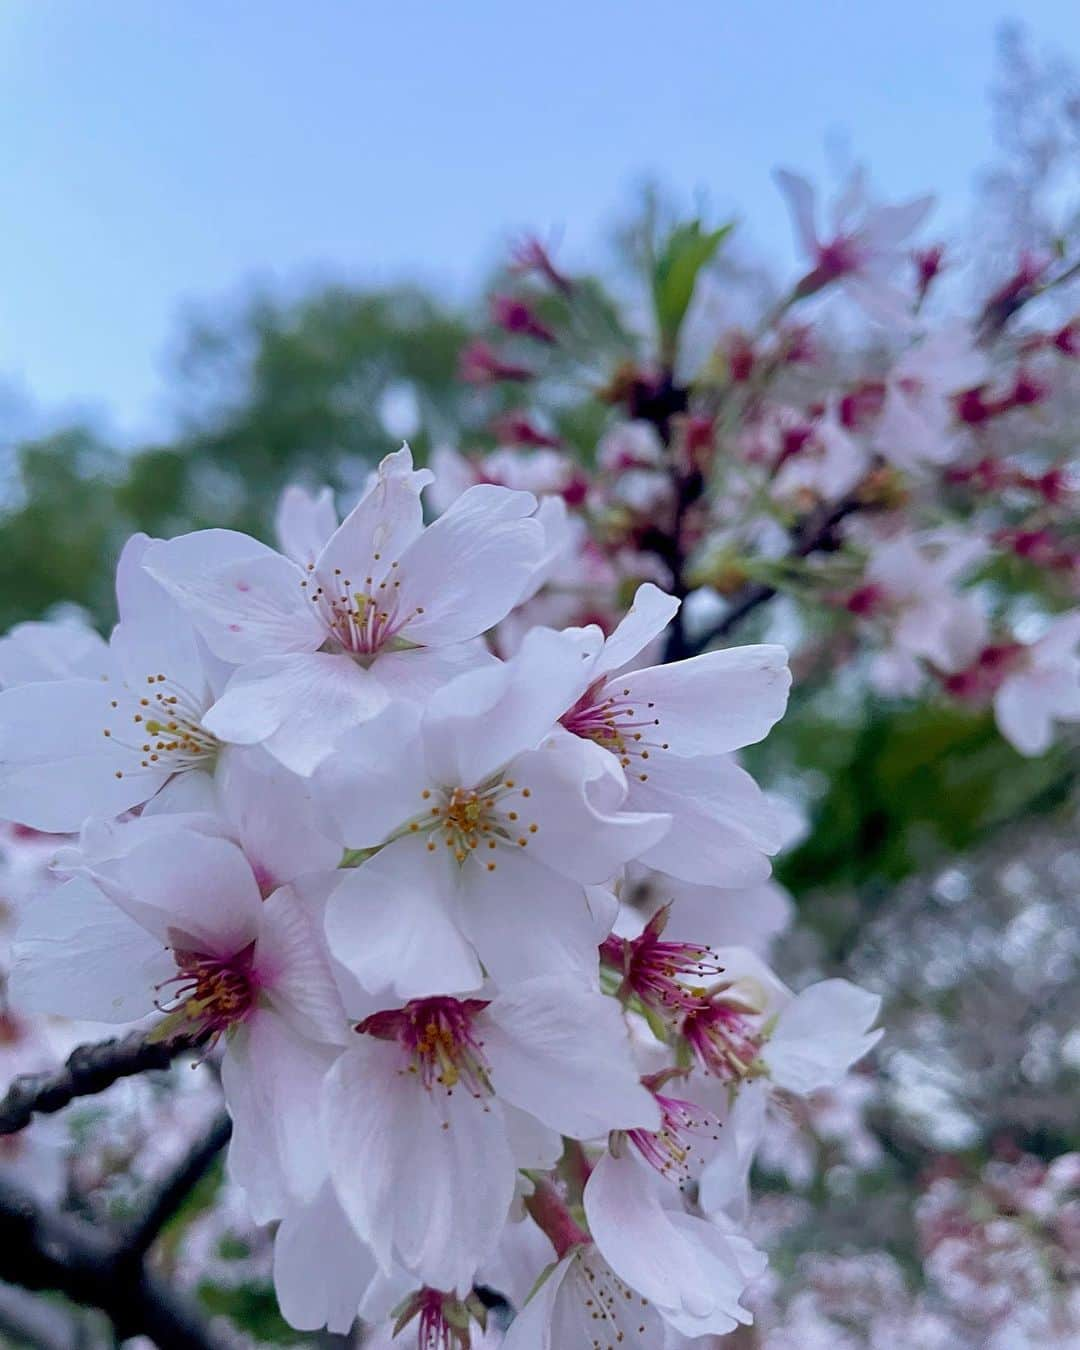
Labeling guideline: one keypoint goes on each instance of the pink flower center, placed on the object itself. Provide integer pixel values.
(360, 618)
(439, 1038)
(443, 1320)
(212, 993)
(672, 1148)
(609, 715)
(838, 258)
(656, 972)
(725, 1040)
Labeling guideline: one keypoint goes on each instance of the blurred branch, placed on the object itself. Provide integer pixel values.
(42, 1249)
(814, 533)
(165, 1199)
(89, 1069)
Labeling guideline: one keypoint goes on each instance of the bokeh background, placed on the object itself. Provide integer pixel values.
(246, 243)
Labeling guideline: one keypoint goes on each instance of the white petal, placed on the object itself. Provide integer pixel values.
(154, 636)
(294, 967)
(296, 705)
(524, 919)
(57, 766)
(715, 703)
(375, 779)
(78, 955)
(821, 1034)
(419, 672)
(651, 612)
(246, 600)
(57, 650)
(304, 521)
(800, 200)
(560, 1051)
(1023, 720)
(392, 923)
(468, 569)
(321, 1268)
(192, 891)
(683, 1265)
(272, 1079)
(426, 1174)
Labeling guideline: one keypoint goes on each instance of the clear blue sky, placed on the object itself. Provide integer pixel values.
(159, 152)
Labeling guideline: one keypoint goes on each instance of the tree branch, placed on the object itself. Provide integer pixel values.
(89, 1069)
(41, 1249)
(166, 1198)
(815, 532)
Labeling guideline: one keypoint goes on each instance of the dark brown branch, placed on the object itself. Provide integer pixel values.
(816, 532)
(41, 1249)
(89, 1069)
(165, 1199)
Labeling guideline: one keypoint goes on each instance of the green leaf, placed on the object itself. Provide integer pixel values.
(675, 270)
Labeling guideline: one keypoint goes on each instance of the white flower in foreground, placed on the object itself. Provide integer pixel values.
(100, 743)
(387, 606)
(433, 1107)
(672, 728)
(321, 1267)
(166, 916)
(485, 842)
(1041, 686)
(751, 1024)
(690, 1270)
(864, 248)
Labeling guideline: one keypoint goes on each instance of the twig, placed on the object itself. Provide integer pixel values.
(166, 1198)
(89, 1069)
(815, 532)
(42, 1249)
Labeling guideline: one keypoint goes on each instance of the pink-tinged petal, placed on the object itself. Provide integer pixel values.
(428, 1175)
(58, 650)
(304, 521)
(154, 635)
(820, 1034)
(468, 569)
(57, 766)
(78, 955)
(518, 702)
(245, 599)
(381, 526)
(535, 1147)
(715, 703)
(689, 1270)
(376, 779)
(272, 1078)
(193, 891)
(560, 1051)
(888, 227)
(524, 919)
(533, 1327)
(272, 814)
(724, 1188)
(800, 199)
(292, 966)
(1060, 639)
(573, 835)
(651, 612)
(723, 825)
(296, 706)
(321, 1268)
(392, 923)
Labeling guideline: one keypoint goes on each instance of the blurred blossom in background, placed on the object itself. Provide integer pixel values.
(260, 243)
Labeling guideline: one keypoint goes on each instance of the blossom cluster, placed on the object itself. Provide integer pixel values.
(920, 501)
(470, 923)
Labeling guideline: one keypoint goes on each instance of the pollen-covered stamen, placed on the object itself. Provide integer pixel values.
(680, 1146)
(665, 976)
(610, 715)
(439, 1038)
(725, 1035)
(477, 820)
(444, 1321)
(165, 731)
(361, 616)
(210, 993)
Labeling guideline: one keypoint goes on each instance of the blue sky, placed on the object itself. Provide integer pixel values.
(159, 153)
